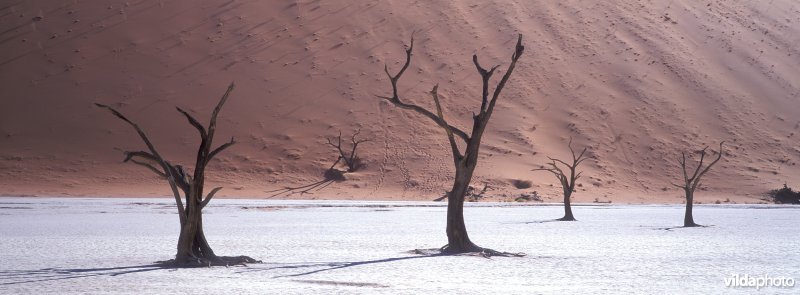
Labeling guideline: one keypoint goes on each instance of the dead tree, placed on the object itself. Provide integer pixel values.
(690, 184)
(567, 180)
(351, 159)
(465, 163)
(193, 248)
(331, 175)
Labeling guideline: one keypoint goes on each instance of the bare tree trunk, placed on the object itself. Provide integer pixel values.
(457, 238)
(567, 208)
(184, 255)
(193, 248)
(201, 244)
(189, 250)
(186, 239)
(688, 219)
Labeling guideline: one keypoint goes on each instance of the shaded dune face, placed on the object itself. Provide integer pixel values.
(635, 81)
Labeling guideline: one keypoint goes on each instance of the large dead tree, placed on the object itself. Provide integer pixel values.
(690, 184)
(567, 179)
(193, 248)
(457, 239)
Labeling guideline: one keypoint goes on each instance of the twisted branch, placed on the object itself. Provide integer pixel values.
(395, 98)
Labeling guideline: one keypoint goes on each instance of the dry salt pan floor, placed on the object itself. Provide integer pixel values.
(109, 245)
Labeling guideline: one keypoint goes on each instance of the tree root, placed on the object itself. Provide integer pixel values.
(209, 262)
(488, 253)
(566, 219)
(473, 250)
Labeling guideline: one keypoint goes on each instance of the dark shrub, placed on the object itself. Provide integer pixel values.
(521, 184)
(784, 195)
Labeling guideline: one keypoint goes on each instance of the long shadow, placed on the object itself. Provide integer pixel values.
(330, 176)
(329, 266)
(679, 227)
(543, 221)
(55, 274)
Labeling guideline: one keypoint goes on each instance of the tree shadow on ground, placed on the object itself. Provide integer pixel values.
(679, 227)
(330, 176)
(542, 221)
(330, 266)
(14, 277)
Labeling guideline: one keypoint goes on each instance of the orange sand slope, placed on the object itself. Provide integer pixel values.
(636, 81)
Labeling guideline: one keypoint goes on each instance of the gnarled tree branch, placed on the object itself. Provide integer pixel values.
(457, 156)
(210, 195)
(153, 156)
(395, 98)
(195, 123)
(221, 148)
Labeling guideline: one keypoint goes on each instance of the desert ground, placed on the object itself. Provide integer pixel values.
(362, 247)
(637, 82)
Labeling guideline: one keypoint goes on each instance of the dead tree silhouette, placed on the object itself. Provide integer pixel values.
(457, 239)
(690, 184)
(351, 160)
(193, 249)
(567, 179)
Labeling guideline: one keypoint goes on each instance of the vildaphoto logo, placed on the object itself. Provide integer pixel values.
(758, 282)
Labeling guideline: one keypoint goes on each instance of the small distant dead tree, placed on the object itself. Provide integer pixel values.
(350, 159)
(193, 248)
(331, 175)
(567, 179)
(690, 184)
(465, 163)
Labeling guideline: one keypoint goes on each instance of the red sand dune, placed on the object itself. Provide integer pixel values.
(635, 81)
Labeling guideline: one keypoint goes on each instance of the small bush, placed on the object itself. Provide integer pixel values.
(784, 195)
(521, 184)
